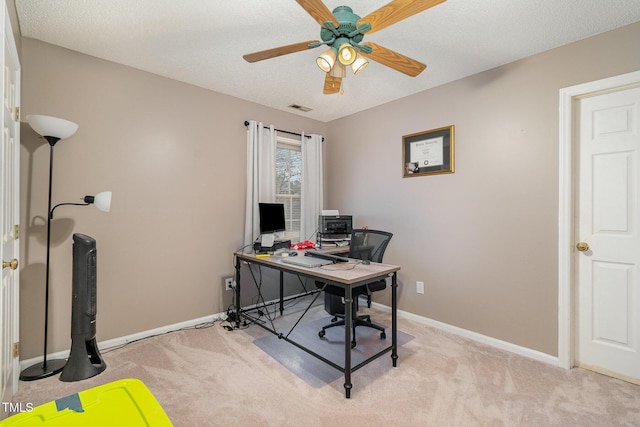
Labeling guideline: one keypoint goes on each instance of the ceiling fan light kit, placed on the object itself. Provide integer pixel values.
(359, 64)
(327, 59)
(338, 71)
(346, 54)
(343, 31)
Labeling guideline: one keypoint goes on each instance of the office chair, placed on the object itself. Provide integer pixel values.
(369, 246)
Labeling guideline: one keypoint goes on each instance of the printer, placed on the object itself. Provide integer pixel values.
(334, 230)
(335, 224)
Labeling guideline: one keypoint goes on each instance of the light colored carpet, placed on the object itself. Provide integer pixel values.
(213, 377)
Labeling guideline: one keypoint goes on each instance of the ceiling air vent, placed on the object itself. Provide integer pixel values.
(300, 107)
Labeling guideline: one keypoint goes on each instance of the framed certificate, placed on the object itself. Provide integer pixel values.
(427, 153)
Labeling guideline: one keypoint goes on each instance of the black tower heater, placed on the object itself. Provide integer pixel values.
(85, 360)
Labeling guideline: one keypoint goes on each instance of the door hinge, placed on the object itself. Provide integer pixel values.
(16, 349)
(16, 231)
(17, 114)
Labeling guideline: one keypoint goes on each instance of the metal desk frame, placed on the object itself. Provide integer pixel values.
(369, 273)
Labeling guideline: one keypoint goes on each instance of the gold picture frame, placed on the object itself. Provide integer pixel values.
(428, 153)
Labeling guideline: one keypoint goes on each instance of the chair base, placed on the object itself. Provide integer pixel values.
(364, 320)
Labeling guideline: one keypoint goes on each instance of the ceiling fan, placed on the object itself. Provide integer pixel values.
(343, 31)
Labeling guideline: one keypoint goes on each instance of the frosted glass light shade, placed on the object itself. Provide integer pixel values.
(102, 201)
(346, 54)
(52, 126)
(326, 60)
(339, 71)
(359, 64)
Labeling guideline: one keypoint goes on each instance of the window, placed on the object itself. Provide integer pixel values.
(289, 184)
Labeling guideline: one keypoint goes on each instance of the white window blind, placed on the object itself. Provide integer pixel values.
(289, 184)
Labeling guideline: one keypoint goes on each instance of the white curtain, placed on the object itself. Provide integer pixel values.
(312, 183)
(261, 175)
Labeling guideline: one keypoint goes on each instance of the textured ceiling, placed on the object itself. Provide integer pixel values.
(201, 42)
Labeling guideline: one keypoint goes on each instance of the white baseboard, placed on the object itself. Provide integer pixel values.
(493, 342)
(115, 342)
(102, 345)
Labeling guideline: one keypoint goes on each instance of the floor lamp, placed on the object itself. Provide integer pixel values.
(53, 130)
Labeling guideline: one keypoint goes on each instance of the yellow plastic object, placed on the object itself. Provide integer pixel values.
(125, 402)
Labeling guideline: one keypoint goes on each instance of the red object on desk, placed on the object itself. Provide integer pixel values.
(307, 244)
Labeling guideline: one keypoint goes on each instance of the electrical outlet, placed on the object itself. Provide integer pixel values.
(229, 283)
(420, 287)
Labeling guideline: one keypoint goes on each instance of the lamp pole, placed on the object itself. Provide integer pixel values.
(53, 130)
(46, 368)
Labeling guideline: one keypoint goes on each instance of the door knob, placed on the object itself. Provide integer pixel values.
(13, 264)
(582, 246)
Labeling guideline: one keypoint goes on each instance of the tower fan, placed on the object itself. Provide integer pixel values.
(85, 360)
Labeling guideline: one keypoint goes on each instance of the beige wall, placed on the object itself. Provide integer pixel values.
(484, 239)
(174, 156)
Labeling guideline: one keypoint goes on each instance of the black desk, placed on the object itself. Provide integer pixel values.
(348, 278)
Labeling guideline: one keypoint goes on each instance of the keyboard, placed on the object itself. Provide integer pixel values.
(333, 258)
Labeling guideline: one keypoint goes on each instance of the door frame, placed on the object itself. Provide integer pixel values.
(10, 51)
(566, 226)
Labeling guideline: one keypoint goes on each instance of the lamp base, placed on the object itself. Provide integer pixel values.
(40, 370)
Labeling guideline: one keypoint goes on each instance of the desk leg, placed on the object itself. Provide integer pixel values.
(281, 292)
(237, 293)
(347, 340)
(394, 319)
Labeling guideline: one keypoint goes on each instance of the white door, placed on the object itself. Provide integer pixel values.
(608, 210)
(9, 216)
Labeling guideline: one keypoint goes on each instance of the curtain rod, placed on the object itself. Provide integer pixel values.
(246, 123)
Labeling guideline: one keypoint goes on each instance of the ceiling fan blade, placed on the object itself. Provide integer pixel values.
(318, 11)
(277, 51)
(394, 60)
(332, 84)
(395, 11)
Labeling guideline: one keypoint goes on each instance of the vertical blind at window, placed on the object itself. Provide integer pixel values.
(289, 185)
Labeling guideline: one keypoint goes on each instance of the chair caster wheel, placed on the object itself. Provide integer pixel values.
(321, 333)
(353, 345)
(383, 335)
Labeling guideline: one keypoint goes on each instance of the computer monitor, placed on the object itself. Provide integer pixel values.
(271, 217)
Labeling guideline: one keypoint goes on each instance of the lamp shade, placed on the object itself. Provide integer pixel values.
(102, 201)
(339, 71)
(52, 126)
(359, 64)
(326, 60)
(346, 54)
